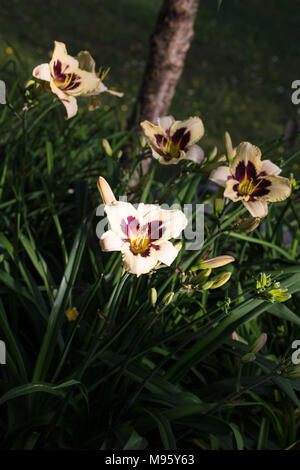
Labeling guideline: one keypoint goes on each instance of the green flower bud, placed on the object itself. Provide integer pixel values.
(207, 285)
(230, 151)
(216, 262)
(279, 295)
(201, 277)
(248, 224)
(294, 374)
(293, 182)
(153, 296)
(263, 281)
(220, 280)
(107, 147)
(212, 154)
(249, 357)
(142, 141)
(168, 298)
(219, 201)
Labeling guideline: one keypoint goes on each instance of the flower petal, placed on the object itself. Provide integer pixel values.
(166, 224)
(257, 208)
(269, 168)
(69, 102)
(109, 241)
(157, 156)
(152, 132)
(166, 252)
(165, 122)
(118, 214)
(192, 129)
(60, 53)
(86, 61)
(195, 154)
(247, 162)
(42, 72)
(113, 92)
(144, 210)
(279, 190)
(230, 190)
(220, 175)
(164, 160)
(138, 264)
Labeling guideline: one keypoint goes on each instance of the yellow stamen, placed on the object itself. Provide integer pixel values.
(140, 242)
(247, 187)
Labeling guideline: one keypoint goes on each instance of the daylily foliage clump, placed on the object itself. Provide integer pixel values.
(138, 325)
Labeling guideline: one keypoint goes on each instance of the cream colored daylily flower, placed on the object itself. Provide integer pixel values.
(172, 141)
(254, 182)
(142, 234)
(69, 77)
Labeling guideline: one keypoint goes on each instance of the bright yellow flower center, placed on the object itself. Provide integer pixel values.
(140, 242)
(246, 187)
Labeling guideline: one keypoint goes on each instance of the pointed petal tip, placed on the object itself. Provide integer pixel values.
(105, 191)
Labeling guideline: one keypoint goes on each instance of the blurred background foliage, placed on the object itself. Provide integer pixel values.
(238, 72)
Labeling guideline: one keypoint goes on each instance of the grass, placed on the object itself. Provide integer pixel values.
(238, 71)
(127, 374)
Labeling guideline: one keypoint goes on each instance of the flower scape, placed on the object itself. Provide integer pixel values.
(163, 315)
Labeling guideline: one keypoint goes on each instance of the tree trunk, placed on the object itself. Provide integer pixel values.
(168, 47)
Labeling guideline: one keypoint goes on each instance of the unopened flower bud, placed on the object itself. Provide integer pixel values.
(142, 141)
(216, 262)
(279, 295)
(294, 374)
(202, 276)
(105, 191)
(107, 147)
(293, 182)
(249, 357)
(220, 280)
(230, 151)
(263, 281)
(168, 298)
(248, 224)
(207, 285)
(259, 343)
(153, 296)
(219, 201)
(212, 154)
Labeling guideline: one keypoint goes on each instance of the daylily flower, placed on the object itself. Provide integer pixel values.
(252, 181)
(69, 77)
(142, 234)
(172, 141)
